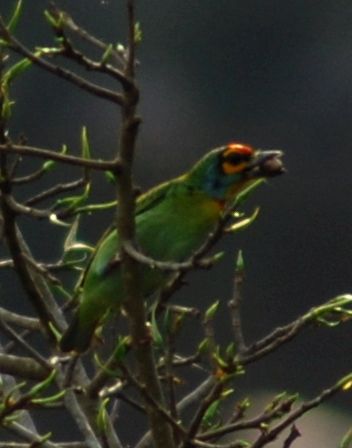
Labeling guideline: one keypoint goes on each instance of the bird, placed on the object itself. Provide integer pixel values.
(172, 221)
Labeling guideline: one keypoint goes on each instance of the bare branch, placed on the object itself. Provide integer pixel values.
(193, 262)
(103, 67)
(22, 367)
(257, 422)
(234, 307)
(62, 158)
(151, 401)
(55, 190)
(29, 323)
(57, 70)
(195, 396)
(81, 420)
(31, 350)
(266, 437)
(36, 297)
(25, 434)
(294, 434)
(78, 30)
(203, 407)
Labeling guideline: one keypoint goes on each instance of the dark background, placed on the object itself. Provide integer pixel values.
(270, 73)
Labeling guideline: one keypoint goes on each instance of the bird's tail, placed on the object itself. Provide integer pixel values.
(77, 337)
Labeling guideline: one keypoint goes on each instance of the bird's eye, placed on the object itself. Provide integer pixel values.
(236, 157)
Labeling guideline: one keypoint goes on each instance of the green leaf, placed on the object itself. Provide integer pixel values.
(102, 417)
(203, 346)
(227, 392)
(231, 351)
(71, 237)
(15, 16)
(239, 267)
(110, 177)
(138, 35)
(85, 143)
(221, 362)
(96, 207)
(64, 149)
(16, 70)
(55, 331)
(212, 414)
(73, 202)
(217, 257)
(47, 51)
(51, 19)
(7, 104)
(243, 195)
(113, 373)
(122, 347)
(156, 335)
(48, 400)
(49, 165)
(244, 223)
(346, 442)
(107, 54)
(211, 311)
(35, 390)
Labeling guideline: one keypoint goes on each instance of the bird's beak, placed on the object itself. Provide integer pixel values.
(266, 164)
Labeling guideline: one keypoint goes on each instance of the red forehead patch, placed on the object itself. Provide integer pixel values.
(239, 148)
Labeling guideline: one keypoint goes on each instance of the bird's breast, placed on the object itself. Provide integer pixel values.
(178, 227)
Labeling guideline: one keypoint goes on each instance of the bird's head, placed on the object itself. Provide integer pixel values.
(225, 171)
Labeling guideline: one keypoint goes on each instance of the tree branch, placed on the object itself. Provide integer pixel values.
(58, 71)
(22, 367)
(29, 323)
(266, 437)
(134, 303)
(47, 154)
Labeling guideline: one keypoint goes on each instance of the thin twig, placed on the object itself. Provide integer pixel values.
(234, 307)
(264, 418)
(47, 154)
(151, 401)
(81, 420)
(34, 295)
(33, 438)
(202, 409)
(195, 396)
(194, 262)
(24, 344)
(10, 317)
(67, 21)
(57, 70)
(294, 434)
(72, 53)
(271, 434)
(71, 25)
(23, 367)
(36, 175)
(54, 191)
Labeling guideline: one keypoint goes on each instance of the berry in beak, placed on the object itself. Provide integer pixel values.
(266, 164)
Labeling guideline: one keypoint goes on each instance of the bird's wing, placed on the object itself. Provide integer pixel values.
(153, 197)
(144, 202)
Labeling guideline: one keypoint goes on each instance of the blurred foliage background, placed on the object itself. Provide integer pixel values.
(273, 74)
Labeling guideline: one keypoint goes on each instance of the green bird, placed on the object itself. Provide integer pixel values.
(172, 221)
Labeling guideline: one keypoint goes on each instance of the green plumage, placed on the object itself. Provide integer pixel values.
(172, 221)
